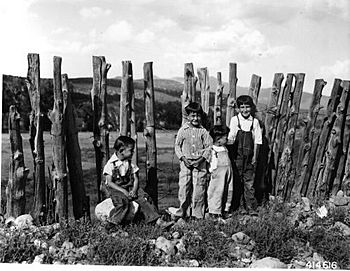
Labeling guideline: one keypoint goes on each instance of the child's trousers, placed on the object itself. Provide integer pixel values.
(192, 189)
(220, 190)
(122, 204)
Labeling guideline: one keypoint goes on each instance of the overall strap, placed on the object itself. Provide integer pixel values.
(251, 127)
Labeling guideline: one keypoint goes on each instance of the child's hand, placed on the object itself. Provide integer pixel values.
(187, 163)
(132, 194)
(198, 162)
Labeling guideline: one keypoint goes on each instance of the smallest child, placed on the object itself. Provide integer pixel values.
(220, 188)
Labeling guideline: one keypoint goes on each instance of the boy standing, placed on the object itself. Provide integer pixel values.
(246, 137)
(192, 147)
(122, 183)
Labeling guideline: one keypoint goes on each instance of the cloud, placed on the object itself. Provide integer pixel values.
(323, 9)
(340, 69)
(94, 12)
(118, 32)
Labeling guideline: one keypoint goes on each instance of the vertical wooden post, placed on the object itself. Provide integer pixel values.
(203, 78)
(59, 172)
(254, 88)
(189, 91)
(334, 143)
(75, 170)
(271, 122)
(15, 190)
(307, 151)
(289, 177)
(281, 126)
(308, 187)
(150, 134)
(125, 114)
(336, 186)
(232, 95)
(218, 101)
(36, 137)
(100, 117)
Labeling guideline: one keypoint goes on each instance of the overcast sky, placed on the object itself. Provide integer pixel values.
(262, 37)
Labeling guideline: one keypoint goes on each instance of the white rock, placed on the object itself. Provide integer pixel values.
(37, 243)
(193, 263)
(268, 262)
(340, 193)
(53, 250)
(307, 204)
(176, 235)
(39, 259)
(317, 257)
(165, 245)
(344, 228)
(241, 237)
(84, 249)
(181, 248)
(67, 245)
(24, 221)
(103, 209)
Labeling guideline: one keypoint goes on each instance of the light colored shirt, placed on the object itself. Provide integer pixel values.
(245, 126)
(122, 166)
(193, 142)
(214, 157)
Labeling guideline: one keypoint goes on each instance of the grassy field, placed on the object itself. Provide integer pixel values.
(168, 166)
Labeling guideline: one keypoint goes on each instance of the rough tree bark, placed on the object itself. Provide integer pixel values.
(36, 137)
(218, 101)
(15, 190)
(336, 186)
(100, 118)
(59, 171)
(189, 91)
(232, 95)
(333, 145)
(287, 163)
(150, 134)
(281, 127)
(254, 88)
(125, 114)
(204, 85)
(80, 200)
(306, 156)
(271, 122)
(309, 186)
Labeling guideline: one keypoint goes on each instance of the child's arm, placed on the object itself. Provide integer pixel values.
(135, 188)
(256, 154)
(115, 186)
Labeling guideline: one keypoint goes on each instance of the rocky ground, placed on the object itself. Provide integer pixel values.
(22, 242)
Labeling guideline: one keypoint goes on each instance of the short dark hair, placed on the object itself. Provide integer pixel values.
(123, 141)
(219, 131)
(245, 99)
(194, 107)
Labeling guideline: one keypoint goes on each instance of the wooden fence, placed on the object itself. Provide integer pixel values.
(321, 167)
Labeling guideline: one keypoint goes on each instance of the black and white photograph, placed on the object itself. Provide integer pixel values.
(188, 134)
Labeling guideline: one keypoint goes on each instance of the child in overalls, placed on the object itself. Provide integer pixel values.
(192, 147)
(122, 184)
(246, 136)
(221, 175)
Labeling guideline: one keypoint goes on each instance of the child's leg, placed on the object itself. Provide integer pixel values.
(121, 207)
(228, 188)
(199, 190)
(216, 191)
(249, 191)
(185, 191)
(147, 208)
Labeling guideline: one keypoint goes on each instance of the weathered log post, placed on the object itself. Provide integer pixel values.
(100, 118)
(307, 151)
(204, 85)
(36, 137)
(336, 186)
(333, 145)
(189, 91)
(309, 186)
(287, 155)
(125, 114)
(15, 190)
(254, 88)
(345, 183)
(218, 101)
(281, 126)
(150, 134)
(232, 95)
(271, 122)
(75, 170)
(59, 171)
